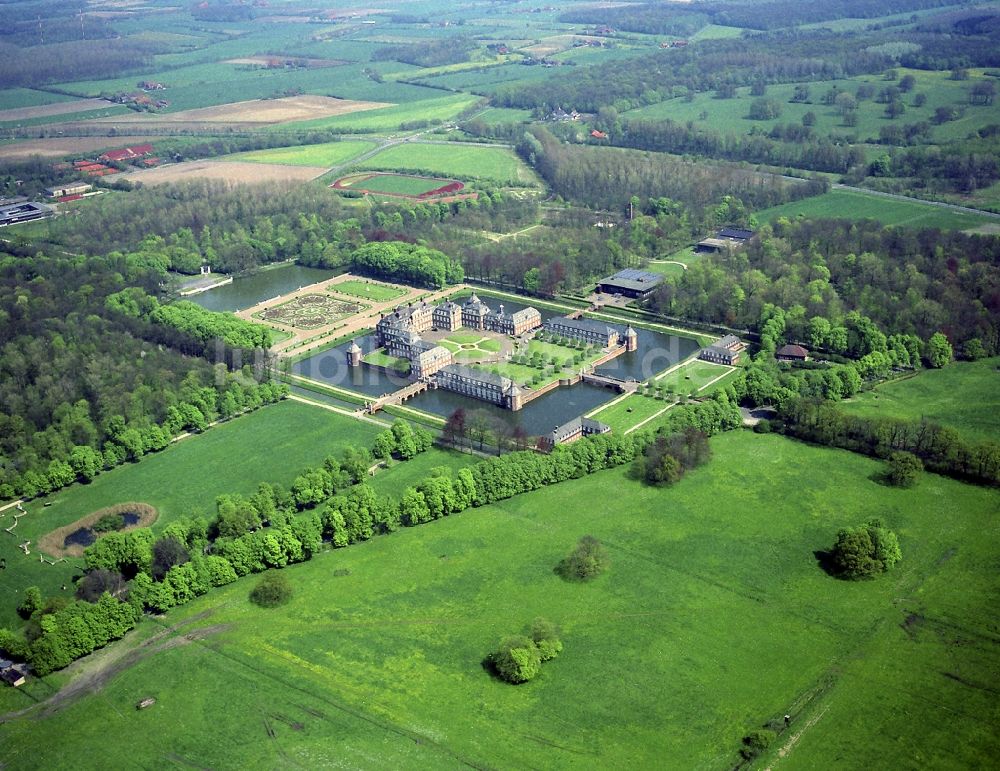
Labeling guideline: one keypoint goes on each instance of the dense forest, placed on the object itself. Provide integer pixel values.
(660, 19)
(906, 281)
(603, 177)
(85, 387)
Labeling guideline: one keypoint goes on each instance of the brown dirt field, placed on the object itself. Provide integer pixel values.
(228, 171)
(261, 61)
(59, 108)
(258, 111)
(57, 147)
(52, 542)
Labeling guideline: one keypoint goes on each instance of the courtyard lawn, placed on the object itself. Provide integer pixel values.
(713, 619)
(367, 290)
(327, 154)
(855, 205)
(962, 395)
(273, 444)
(630, 412)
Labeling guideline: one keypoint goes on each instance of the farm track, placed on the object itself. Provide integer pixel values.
(92, 675)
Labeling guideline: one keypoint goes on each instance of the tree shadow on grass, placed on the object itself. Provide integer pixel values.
(825, 560)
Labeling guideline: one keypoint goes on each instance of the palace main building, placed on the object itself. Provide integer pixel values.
(399, 333)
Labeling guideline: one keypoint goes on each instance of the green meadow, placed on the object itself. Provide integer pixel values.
(12, 98)
(496, 164)
(963, 395)
(713, 619)
(856, 205)
(367, 289)
(273, 444)
(731, 115)
(326, 154)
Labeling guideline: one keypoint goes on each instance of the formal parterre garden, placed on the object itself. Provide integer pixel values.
(310, 311)
(471, 346)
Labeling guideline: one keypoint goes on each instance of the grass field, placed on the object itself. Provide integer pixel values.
(367, 290)
(630, 412)
(273, 444)
(391, 184)
(851, 204)
(963, 395)
(15, 98)
(497, 164)
(668, 264)
(693, 378)
(327, 154)
(713, 618)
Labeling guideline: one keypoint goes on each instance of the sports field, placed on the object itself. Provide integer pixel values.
(273, 444)
(964, 395)
(406, 185)
(326, 154)
(855, 205)
(713, 619)
(497, 164)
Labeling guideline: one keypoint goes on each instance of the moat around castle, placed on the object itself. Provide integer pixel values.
(654, 353)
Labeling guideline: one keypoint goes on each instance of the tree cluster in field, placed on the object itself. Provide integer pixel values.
(273, 590)
(903, 469)
(602, 177)
(407, 262)
(788, 145)
(963, 166)
(938, 448)
(586, 562)
(53, 61)
(519, 658)
(432, 52)
(657, 19)
(191, 556)
(865, 552)
(666, 459)
(904, 282)
(81, 391)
